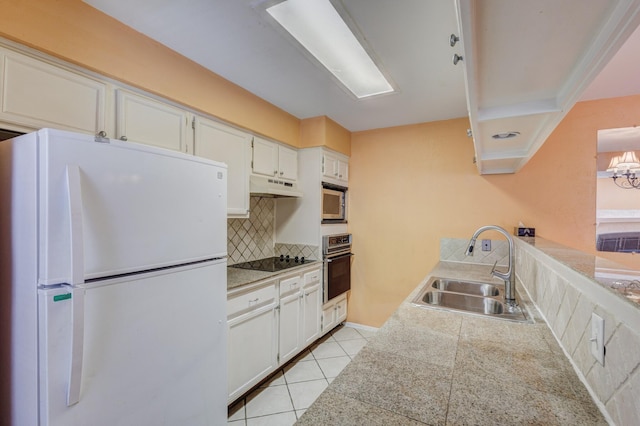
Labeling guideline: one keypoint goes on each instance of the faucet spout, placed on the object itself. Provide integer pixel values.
(507, 276)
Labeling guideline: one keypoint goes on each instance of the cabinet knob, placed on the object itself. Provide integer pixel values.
(340, 176)
(335, 174)
(275, 172)
(101, 134)
(123, 138)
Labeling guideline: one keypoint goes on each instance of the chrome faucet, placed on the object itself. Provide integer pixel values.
(509, 276)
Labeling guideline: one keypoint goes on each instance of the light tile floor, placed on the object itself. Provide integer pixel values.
(283, 399)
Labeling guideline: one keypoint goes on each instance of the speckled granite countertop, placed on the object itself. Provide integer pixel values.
(622, 280)
(433, 367)
(237, 277)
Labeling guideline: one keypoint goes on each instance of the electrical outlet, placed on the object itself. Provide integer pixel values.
(486, 245)
(597, 338)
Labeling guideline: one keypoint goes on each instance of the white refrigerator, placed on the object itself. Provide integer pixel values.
(117, 277)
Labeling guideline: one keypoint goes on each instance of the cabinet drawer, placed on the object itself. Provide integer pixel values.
(290, 285)
(312, 277)
(246, 302)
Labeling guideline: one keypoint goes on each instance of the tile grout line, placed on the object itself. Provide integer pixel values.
(453, 370)
(286, 383)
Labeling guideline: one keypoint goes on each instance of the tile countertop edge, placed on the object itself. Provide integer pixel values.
(581, 268)
(237, 277)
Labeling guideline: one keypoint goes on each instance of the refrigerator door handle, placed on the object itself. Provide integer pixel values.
(77, 345)
(77, 277)
(74, 192)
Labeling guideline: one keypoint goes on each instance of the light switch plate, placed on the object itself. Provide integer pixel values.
(486, 245)
(597, 338)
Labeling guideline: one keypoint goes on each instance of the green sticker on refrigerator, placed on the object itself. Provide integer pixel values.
(61, 297)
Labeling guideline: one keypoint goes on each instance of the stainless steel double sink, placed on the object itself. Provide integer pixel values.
(472, 297)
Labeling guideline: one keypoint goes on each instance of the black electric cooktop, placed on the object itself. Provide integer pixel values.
(273, 264)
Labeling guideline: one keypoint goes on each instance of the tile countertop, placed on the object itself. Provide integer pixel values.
(237, 277)
(426, 366)
(625, 282)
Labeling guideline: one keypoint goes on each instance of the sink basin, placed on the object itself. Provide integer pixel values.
(464, 302)
(471, 297)
(466, 287)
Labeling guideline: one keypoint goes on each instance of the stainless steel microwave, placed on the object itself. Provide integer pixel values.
(334, 207)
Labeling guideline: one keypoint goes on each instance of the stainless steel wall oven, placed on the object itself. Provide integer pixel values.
(336, 252)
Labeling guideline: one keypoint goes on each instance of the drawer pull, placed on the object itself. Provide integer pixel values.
(254, 301)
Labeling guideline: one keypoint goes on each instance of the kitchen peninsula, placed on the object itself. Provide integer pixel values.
(433, 367)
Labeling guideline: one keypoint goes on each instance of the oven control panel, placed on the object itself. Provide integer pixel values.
(342, 239)
(336, 242)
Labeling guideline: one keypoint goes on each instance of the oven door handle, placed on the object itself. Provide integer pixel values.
(331, 259)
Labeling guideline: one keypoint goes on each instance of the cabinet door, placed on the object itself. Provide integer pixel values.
(329, 166)
(290, 326)
(251, 349)
(328, 317)
(287, 163)
(343, 170)
(341, 309)
(37, 94)
(233, 147)
(145, 120)
(265, 157)
(312, 315)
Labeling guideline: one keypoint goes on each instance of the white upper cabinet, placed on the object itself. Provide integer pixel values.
(335, 168)
(265, 157)
(287, 163)
(36, 94)
(146, 120)
(272, 159)
(222, 143)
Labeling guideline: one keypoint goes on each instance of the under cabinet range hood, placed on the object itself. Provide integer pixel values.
(263, 186)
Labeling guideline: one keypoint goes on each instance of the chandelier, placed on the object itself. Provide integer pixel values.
(626, 170)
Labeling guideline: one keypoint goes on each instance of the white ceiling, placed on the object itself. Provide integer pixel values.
(410, 38)
(621, 76)
(238, 40)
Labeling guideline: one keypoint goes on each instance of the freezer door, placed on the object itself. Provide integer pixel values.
(154, 351)
(113, 208)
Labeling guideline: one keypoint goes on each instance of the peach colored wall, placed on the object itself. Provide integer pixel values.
(76, 32)
(338, 138)
(322, 131)
(576, 138)
(312, 132)
(412, 185)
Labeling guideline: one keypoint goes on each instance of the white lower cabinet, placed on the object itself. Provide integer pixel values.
(333, 313)
(253, 335)
(311, 308)
(290, 316)
(270, 323)
(300, 300)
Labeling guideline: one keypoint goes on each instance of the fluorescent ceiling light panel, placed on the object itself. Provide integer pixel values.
(319, 28)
